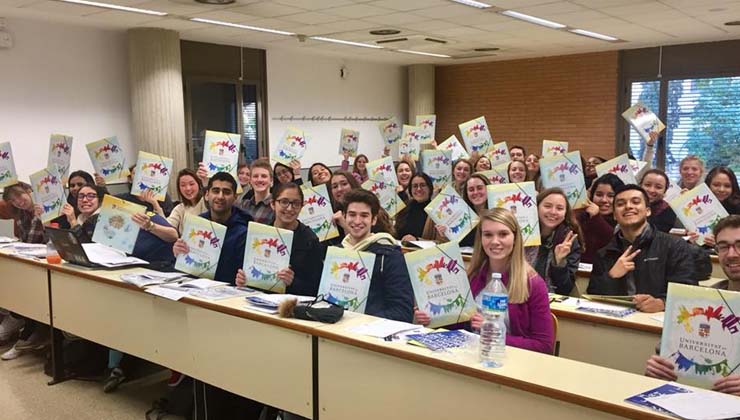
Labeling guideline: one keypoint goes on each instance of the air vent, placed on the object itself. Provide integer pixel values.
(438, 41)
(390, 41)
(486, 49)
(385, 32)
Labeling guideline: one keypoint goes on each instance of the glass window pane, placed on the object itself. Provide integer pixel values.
(704, 120)
(213, 107)
(249, 117)
(649, 94)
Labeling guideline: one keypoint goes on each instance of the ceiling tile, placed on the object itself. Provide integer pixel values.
(175, 24)
(17, 3)
(315, 4)
(345, 26)
(515, 4)
(358, 11)
(67, 9)
(267, 9)
(430, 25)
(174, 7)
(225, 16)
(600, 4)
(546, 10)
(577, 19)
(449, 11)
(311, 18)
(406, 5)
(396, 19)
(122, 19)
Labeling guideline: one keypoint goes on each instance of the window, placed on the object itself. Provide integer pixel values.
(702, 118)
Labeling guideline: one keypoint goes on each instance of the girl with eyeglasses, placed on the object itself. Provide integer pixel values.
(306, 257)
(411, 220)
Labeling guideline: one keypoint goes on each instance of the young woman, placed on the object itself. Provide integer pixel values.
(597, 221)
(404, 170)
(190, 192)
(498, 249)
(475, 195)
(691, 170)
(319, 174)
(284, 173)
(517, 171)
(655, 183)
(410, 221)
(589, 169)
(303, 275)
(533, 167)
(461, 171)
(359, 168)
(723, 183)
(77, 180)
(556, 259)
(482, 164)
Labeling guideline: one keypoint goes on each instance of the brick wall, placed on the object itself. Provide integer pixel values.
(571, 98)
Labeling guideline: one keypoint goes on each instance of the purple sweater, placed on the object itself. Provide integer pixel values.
(530, 323)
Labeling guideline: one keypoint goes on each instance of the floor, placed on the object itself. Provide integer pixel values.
(25, 395)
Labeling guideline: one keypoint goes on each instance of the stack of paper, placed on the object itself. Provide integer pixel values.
(109, 257)
(220, 292)
(270, 303)
(440, 340)
(604, 309)
(385, 328)
(689, 403)
(149, 278)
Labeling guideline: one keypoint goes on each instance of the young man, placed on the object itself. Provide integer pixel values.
(391, 295)
(640, 261)
(220, 195)
(29, 229)
(258, 206)
(517, 153)
(727, 237)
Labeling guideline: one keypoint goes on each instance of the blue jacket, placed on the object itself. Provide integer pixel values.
(390, 295)
(151, 248)
(232, 253)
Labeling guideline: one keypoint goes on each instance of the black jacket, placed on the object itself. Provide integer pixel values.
(662, 216)
(390, 295)
(559, 279)
(663, 258)
(306, 261)
(411, 220)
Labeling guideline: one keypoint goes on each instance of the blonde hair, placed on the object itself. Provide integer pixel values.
(689, 158)
(519, 269)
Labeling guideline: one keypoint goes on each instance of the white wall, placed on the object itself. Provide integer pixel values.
(301, 84)
(62, 79)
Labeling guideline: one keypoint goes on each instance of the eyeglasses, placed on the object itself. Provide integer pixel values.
(724, 247)
(284, 203)
(418, 186)
(88, 197)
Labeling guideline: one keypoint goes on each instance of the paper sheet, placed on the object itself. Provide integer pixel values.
(383, 328)
(109, 257)
(167, 293)
(699, 405)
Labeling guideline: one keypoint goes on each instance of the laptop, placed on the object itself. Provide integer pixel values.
(69, 246)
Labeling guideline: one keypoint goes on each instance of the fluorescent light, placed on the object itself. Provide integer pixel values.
(473, 3)
(533, 19)
(593, 35)
(424, 53)
(116, 7)
(240, 26)
(340, 41)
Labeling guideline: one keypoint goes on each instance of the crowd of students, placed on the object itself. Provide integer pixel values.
(623, 231)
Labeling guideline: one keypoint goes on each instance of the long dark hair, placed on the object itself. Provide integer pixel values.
(310, 172)
(734, 198)
(606, 179)
(352, 183)
(191, 173)
(427, 180)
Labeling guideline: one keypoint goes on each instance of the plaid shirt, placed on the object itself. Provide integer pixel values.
(261, 211)
(29, 228)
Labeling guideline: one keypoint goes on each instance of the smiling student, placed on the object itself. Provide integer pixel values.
(190, 192)
(303, 276)
(639, 261)
(596, 220)
(390, 295)
(655, 183)
(517, 171)
(259, 206)
(723, 183)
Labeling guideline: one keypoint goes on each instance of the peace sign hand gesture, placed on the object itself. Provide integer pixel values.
(624, 264)
(562, 250)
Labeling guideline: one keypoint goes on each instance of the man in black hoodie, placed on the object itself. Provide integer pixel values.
(640, 261)
(390, 295)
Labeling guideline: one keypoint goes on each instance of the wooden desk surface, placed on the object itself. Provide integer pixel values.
(567, 381)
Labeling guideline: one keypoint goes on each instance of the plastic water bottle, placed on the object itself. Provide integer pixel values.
(494, 303)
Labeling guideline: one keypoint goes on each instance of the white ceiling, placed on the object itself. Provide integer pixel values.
(639, 23)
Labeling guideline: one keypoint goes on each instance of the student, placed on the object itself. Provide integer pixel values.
(190, 192)
(533, 168)
(723, 183)
(283, 174)
(556, 259)
(319, 174)
(589, 169)
(220, 195)
(482, 164)
(306, 256)
(359, 168)
(476, 197)
(640, 261)
(341, 183)
(517, 153)
(404, 170)
(259, 206)
(727, 234)
(655, 183)
(691, 170)
(17, 199)
(390, 295)
(242, 174)
(461, 171)
(499, 249)
(596, 220)
(162, 208)
(517, 171)
(410, 221)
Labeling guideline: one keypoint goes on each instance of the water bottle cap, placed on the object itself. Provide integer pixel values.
(496, 276)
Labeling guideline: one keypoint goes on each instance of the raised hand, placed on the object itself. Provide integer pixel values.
(562, 250)
(624, 263)
(99, 180)
(295, 164)
(591, 208)
(202, 173)
(286, 275)
(69, 212)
